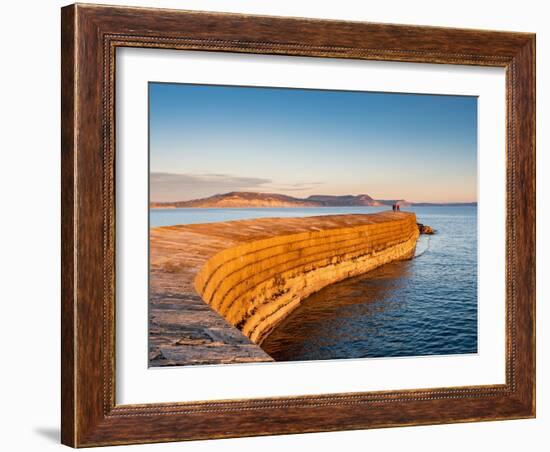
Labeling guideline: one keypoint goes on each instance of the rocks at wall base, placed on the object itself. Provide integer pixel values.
(425, 229)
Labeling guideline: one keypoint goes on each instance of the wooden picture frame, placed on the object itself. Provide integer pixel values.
(90, 36)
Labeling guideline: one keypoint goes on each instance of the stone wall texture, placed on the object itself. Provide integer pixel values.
(259, 280)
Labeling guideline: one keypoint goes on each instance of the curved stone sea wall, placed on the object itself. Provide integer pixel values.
(257, 283)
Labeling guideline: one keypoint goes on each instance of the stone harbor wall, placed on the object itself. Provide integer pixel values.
(255, 285)
(218, 289)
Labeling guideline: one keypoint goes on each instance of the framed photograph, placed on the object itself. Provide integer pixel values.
(281, 225)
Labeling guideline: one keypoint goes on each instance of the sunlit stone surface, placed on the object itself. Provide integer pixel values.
(218, 289)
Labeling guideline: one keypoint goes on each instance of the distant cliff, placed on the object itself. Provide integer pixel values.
(241, 199)
(252, 199)
(346, 200)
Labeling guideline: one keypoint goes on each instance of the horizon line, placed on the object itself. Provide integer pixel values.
(319, 194)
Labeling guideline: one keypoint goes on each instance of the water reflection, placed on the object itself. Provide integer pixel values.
(336, 321)
(424, 306)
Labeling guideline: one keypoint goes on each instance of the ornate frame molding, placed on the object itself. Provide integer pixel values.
(90, 36)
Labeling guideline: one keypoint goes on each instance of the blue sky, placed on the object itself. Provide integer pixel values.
(214, 139)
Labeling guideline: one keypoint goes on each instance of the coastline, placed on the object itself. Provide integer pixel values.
(282, 206)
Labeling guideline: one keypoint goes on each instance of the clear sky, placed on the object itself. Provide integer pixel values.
(206, 140)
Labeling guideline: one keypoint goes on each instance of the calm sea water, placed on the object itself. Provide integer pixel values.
(425, 306)
(169, 217)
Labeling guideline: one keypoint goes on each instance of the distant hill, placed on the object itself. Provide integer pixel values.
(345, 200)
(241, 199)
(253, 199)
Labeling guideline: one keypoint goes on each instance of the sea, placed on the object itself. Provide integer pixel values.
(424, 306)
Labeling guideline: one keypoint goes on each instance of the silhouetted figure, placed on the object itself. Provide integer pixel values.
(393, 207)
(398, 208)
